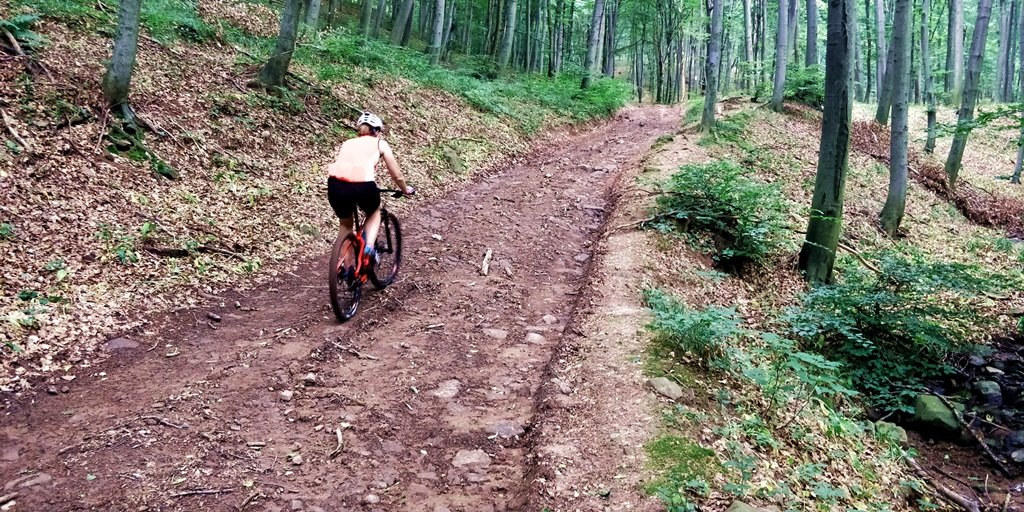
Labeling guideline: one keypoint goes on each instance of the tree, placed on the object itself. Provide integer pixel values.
(817, 257)
(313, 13)
(593, 43)
(505, 49)
(929, 83)
(970, 96)
(437, 33)
(956, 51)
(748, 47)
(885, 91)
(896, 200)
(273, 72)
(812, 34)
(400, 27)
(780, 58)
(713, 63)
(880, 48)
(365, 16)
(117, 79)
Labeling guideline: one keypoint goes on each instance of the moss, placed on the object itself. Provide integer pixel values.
(679, 461)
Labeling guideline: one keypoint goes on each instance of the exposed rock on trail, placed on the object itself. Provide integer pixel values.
(419, 403)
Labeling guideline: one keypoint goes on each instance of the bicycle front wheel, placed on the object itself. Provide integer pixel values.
(389, 252)
(346, 288)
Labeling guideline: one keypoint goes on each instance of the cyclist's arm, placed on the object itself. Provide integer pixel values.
(392, 164)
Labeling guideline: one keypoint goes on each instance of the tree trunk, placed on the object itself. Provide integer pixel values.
(896, 200)
(885, 92)
(365, 16)
(748, 47)
(437, 32)
(867, 43)
(313, 13)
(117, 79)
(793, 23)
(273, 72)
(593, 43)
(407, 31)
(1015, 178)
(378, 17)
(956, 14)
(611, 22)
(713, 62)
(817, 257)
(812, 33)
(449, 26)
(1002, 88)
(880, 46)
(970, 97)
(402, 22)
(558, 31)
(780, 58)
(929, 83)
(507, 38)
(331, 8)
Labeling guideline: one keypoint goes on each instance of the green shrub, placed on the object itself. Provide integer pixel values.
(706, 334)
(894, 329)
(21, 28)
(805, 85)
(745, 218)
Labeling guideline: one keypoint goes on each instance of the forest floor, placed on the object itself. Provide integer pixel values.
(437, 396)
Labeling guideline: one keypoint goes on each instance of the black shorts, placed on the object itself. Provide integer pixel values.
(344, 196)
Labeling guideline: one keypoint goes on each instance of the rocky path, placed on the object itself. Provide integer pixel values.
(425, 401)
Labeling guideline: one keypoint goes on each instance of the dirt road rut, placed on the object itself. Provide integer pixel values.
(432, 386)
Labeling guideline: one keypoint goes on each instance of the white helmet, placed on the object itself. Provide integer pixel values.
(371, 120)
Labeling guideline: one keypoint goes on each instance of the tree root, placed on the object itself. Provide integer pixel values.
(952, 496)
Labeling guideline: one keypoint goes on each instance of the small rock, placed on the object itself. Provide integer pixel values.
(447, 389)
(549, 319)
(931, 413)
(121, 343)
(52, 390)
(498, 334)
(739, 506)
(666, 387)
(563, 386)
(297, 459)
(287, 395)
(976, 361)
(1014, 441)
(581, 257)
(505, 428)
(371, 499)
(990, 393)
(471, 458)
(994, 371)
(537, 338)
(1017, 456)
(65, 389)
(158, 405)
(309, 379)
(297, 505)
(213, 316)
(436, 236)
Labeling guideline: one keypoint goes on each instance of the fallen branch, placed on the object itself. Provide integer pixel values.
(977, 437)
(338, 448)
(165, 422)
(201, 492)
(184, 253)
(486, 265)
(249, 500)
(14, 133)
(956, 498)
(14, 43)
(361, 355)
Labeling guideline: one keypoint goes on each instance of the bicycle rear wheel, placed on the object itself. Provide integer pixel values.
(389, 252)
(346, 288)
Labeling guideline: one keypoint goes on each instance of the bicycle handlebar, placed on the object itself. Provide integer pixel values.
(393, 191)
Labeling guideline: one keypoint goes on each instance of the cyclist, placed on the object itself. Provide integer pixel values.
(351, 178)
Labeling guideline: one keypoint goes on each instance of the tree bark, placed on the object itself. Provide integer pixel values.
(593, 43)
(402, 22)
(1015, 178)
(1002, 88)
(880, 46)
(970, 97)
(365, 16)
(117, 79)
(378, 17)
(793, 23)
(896, 200)
(508, 37)
(780, 58)
(812, 34)
(437, 32)
(956, 34)
(557, 34)
(748, 47)
(273, 72)
(313, 13)
(713, 62)
(929, 82)
(885, 91)
(867, 43)
(817, 257)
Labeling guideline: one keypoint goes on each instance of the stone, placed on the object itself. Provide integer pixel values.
(992, 370)
(121, 343)
(549, 319)
(976, 360)
(297, 505)
(739, 506)
(371, 499)
(297, 459)
(447, 389)
(563, 386)
(505, 428)
(892, 432)
(475, 458)
(581, 257)
(666, 387)
(1017, 455)
(309, 379)
(934, 417)
(287, 395)
(536, 338)
(498, 334)
(989, 392)
(1014, 441)
(52, 390)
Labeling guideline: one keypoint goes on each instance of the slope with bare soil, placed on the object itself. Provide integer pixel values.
(423, 402)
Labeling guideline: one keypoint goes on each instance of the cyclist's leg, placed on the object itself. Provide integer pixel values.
(343, 202)
(369, 202)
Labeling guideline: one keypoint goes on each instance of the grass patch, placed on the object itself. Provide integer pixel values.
(166, 21)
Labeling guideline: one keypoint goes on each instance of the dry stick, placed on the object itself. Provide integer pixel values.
(13, 132)
(486, 265)
(361, 355)
(164, 422)
(974, 488)
(248, 500)
(960, 500)
(977, 437)
(202, 491)
(8, 497)
(337, 449)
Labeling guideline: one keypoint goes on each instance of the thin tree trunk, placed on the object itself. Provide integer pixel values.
(117, 79)
(1003, 55)
(817, 257)
(880, 46)
(957, 35)
(896, 200)
(793, 28)
(929, 83)
(555, 61)
(313, 13)
(365, 16)
(449, 25)
(437, 32)
(507, 38)
(714, 60)
(378, 17)
(885, 92)
(748, 47)
(780, 59)
(1015, 178)
(970, 98)
(867, 42)
(402, 22)
(593, 43)
(812, 33)
(273, 72)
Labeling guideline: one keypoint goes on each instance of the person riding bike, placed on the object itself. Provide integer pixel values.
(352, 182)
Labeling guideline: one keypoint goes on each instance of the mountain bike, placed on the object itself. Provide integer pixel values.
(350, 267)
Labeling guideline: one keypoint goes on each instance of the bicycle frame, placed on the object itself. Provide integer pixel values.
(357, 230)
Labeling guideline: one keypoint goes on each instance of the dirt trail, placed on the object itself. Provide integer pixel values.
(435, 383)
